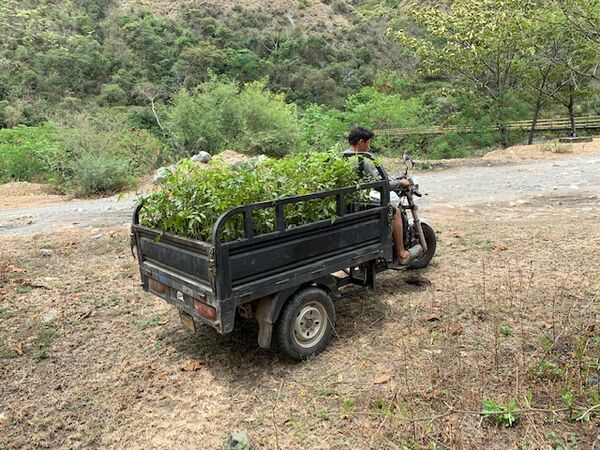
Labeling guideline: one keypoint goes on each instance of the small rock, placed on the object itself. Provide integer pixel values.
(161, 174)
(593, 379)
(96, 236)
(50, 316)
(573, 186)
(46, 252)
(238, 441)
(51, 279)
(4, 417)
(201, 157)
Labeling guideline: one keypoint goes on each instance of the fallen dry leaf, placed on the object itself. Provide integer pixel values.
(432, 318)
(85, 315)
(382, 379)
(19, 349)
(499, 247)
(456, 330)
(3, 292)
(193, 366)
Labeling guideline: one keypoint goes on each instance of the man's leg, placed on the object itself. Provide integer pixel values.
(398, 235)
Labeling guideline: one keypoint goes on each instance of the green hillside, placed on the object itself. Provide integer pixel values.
(276, 76)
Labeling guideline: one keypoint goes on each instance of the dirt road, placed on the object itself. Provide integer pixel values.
(462, 187)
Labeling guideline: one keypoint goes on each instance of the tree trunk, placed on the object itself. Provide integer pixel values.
(571, 107)
(536, 115)
(504, 132)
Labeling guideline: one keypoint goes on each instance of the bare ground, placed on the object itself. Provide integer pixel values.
(87, 360)
(508, 312)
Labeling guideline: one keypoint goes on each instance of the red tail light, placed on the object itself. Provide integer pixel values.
(205, 310)
(157, 286)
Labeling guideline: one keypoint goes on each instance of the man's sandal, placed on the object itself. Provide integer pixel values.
(413, 253)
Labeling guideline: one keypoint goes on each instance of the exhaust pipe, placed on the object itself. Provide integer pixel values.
(415, 251)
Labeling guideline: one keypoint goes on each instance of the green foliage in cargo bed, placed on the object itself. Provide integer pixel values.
(192, 197)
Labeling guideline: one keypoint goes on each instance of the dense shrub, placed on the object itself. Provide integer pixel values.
(84, 156)
(100, 174)
(322, 128)
(220, 115)
(29, 153)
(104, 156)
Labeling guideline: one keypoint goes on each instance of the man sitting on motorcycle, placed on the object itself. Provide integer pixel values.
(360, 142)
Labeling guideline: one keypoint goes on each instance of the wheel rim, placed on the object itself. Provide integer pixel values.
(310, 324)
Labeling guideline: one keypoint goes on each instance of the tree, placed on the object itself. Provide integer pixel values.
(541, 79)
(196, 64)
(152, 93)
(582, 18)
(554, 41)
(475, 42)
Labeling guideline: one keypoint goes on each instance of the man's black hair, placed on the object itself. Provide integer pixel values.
(357, 133)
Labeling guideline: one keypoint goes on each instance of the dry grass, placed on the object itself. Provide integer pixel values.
(308, 14)
(543, 150)
(101, 360)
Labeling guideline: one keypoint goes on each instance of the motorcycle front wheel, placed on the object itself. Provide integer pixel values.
(424, 260)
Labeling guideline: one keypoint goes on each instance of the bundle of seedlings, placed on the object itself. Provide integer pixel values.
(191, 198)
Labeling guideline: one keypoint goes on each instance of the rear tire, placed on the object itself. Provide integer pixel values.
(306, 323)
(423, 261)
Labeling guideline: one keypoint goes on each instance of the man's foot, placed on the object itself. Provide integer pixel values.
(400, 263)
(404, 257)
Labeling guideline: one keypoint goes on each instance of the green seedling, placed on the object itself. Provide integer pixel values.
(348, 406)
(191, 198)
(548, 370)
(501, 414)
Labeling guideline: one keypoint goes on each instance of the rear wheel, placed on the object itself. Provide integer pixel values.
(306, 323)
(424, 260)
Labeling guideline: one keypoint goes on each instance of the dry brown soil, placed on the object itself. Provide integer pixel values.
(20, 194)
(88, 360)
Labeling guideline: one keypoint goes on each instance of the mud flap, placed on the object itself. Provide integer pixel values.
(187, 321)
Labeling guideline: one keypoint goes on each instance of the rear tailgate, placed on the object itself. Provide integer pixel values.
(178, 270)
